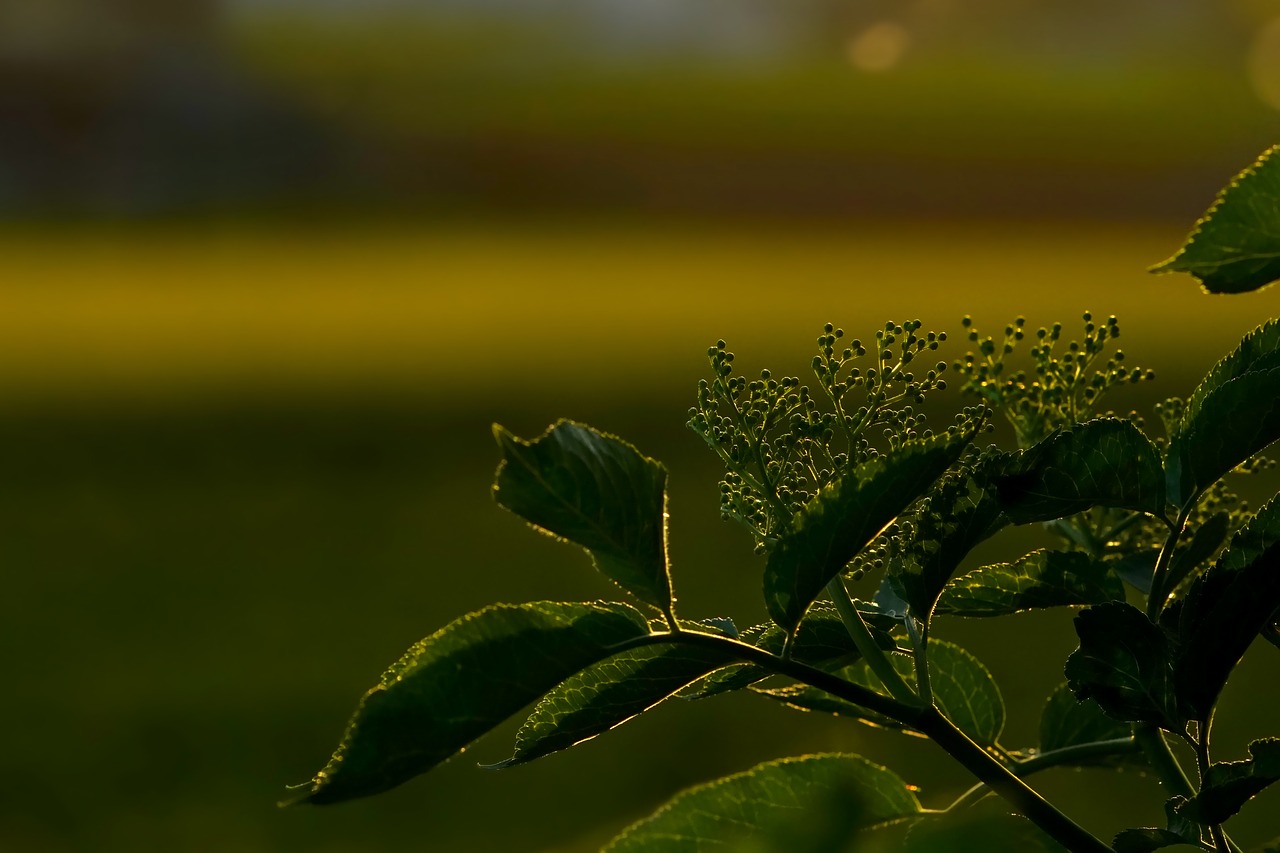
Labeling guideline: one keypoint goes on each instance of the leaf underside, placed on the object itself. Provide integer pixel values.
(1123, 662)
(959, 513)
(460, 682)
(609, 693)
(1066, 721)
(598, 492)
(1239, 418)
(821, 639)
(769, 806)
(963, 690)
(845, 516)
(1226, 608)
(1039, 579)
(1230, 784)
(1104, 462)
(1235, 247)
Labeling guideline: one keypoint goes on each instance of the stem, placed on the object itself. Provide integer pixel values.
(1203, 763)
(1053, 758)
(919, 647)
(1162, 760)
(1156, 598)
(927, 720)
(1004, 782)
(871, 653)
(747, 653)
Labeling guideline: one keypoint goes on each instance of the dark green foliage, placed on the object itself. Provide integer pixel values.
(962, 687)
(1230, 416)
(821, 640)
(460, 682)
(1104, 462)
(1124, 664)
(1225, 610)
(607, 694)
(847, 481)
(1040, 579)
(844, 517)
(960, 512)
(1067, 721)
(1229, 785)
(595, 491)
(1205, 542)
(767, 804)
(1233, 248)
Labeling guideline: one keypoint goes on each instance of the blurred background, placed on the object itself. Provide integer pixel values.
(270, 268)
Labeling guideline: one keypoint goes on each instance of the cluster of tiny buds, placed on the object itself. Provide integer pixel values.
(779, 443)
(1063, 386)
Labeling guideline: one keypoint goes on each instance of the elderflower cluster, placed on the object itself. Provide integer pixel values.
(1064, 385)
(782, 442)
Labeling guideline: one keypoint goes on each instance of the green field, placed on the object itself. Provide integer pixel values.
(246, 469)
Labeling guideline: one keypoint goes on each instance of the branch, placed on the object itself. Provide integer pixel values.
(1053, 758)
(927, 720)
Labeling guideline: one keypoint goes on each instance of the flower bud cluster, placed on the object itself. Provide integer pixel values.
(782, 443)
(1064, 384)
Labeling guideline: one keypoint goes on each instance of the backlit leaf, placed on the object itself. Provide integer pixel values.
(764, 807)
(1103, 462)
(1226, 607)
(1205, 541)
(1235, 247)
(820, 639)
(1239, 418)
(459, 683)
(963, 690)
(845, 516)
(596, 491)
(1066, 721)
(1123, 663)
(961, 511)
(1230, 784)
(1039, 579)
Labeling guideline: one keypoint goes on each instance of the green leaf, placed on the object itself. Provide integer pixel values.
(1205, 541)
(1257, 352)
(1136, 568)
(1239, 419)
(763, 807)
(459, 683)
(1123, 663)
(1181, 834)
(607, 694)
(1102, 462)
(1230, 784)
(845, 516)
(1066, 721)
(1235, 246)
(596, 491)
(987, 826)
(963, 690)
(1039, 579)
(961, 511)
(1226, 608)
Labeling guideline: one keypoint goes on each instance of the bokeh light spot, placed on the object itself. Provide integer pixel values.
(879, 47)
